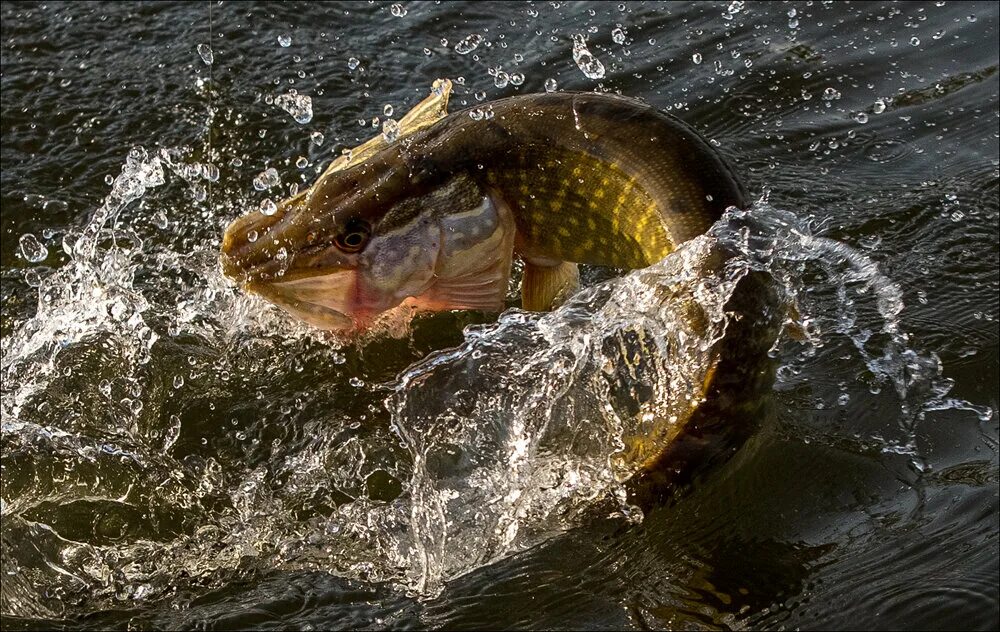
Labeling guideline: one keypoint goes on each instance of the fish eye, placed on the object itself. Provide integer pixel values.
(354, 236)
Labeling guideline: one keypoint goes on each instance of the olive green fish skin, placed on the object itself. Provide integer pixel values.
(590, 178)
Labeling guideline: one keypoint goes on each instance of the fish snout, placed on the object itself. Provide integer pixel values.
(248, 243)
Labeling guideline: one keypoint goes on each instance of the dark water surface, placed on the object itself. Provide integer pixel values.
(177, 455)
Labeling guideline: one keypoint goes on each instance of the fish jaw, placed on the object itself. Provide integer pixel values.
(335, 301)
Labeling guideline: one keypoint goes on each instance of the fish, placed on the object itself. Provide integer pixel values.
(433, 212)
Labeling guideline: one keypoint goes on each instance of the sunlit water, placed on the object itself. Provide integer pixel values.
(176, 453)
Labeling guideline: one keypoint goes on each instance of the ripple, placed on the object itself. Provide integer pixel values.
(885, 151)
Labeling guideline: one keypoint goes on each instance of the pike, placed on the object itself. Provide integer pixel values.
(432, 217)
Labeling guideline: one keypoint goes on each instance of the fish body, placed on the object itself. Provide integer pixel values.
(434, 218)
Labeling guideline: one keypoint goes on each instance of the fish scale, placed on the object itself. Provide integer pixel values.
(578, 208)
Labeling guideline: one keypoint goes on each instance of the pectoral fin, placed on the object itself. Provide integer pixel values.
(546, 286)
(484, 295)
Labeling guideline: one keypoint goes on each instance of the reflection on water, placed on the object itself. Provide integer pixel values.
(178, 454)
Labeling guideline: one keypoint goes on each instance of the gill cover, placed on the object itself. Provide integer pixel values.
(449, 247)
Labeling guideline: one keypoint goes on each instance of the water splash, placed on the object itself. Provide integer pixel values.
(185, 421)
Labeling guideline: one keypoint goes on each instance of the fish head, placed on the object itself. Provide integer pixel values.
(365, 240)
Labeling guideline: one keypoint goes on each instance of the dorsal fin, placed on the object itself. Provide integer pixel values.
(426, 113)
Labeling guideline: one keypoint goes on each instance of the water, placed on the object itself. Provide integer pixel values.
(177, 454)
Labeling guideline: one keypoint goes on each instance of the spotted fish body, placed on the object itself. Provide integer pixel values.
(591, 178)
(435, 217)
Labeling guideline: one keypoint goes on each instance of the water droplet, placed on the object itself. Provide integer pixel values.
(298, 105)
(206, 53)
(830, 94)
(914, 41)
(356, 382)
(159, 220)
(252, 236)
(501, 79)
(390, 130)
(268, 207)
(861, 117)
(618, 35)
(971, 18)
(32, 249)
(468, 44)
(550, 85)
(585, 60)
(210, 171)
(517, 78)
(397, 10)
(284, 40)
(696, 58)
(879, 106)
(266, 179)
(178, 381)
(32, 278)
(353, 63)
(387, 109)
(316, 138)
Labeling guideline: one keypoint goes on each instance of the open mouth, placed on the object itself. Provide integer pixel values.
(324, 299)
(315, 312)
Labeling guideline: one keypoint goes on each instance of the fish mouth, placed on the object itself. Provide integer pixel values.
(308, 304)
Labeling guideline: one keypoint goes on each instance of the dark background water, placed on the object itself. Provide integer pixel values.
(876, 121)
